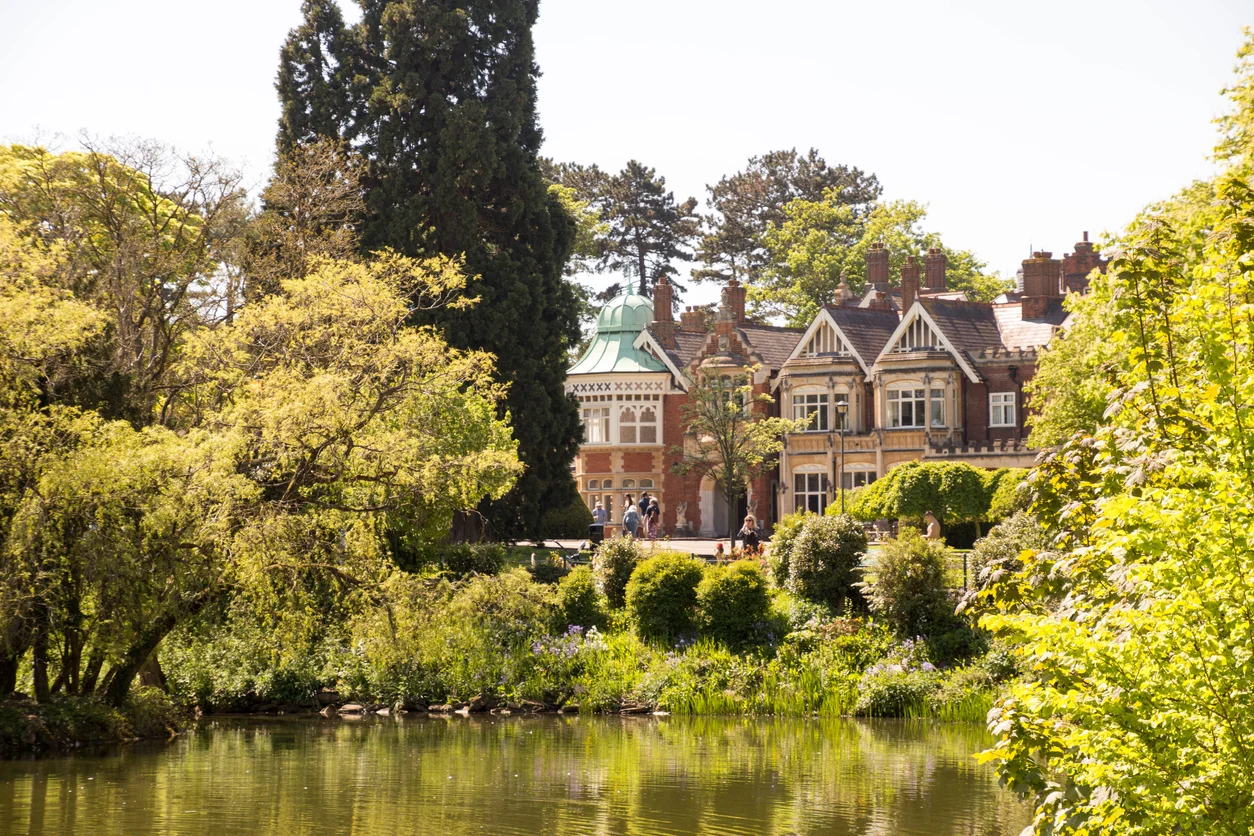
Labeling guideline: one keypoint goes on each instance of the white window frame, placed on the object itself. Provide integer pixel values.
(1002, 409)
(847, 399)
(596, 424)
(810, 490)
(916, 396)
(936, 419)
(807, 403)
(853, 477)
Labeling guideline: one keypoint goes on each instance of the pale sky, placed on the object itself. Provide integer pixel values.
(1020, 124)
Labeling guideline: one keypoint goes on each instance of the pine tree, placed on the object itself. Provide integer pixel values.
(648, 229)
(443, 108)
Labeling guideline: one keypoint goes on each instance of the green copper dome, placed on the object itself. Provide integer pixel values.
(611, 349)
(629, 312)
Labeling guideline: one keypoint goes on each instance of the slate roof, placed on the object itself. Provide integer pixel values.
(1017, 332)
(970, 326)
(867, 329)
(773, 343)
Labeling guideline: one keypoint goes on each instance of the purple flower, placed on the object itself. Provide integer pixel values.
(928, 666)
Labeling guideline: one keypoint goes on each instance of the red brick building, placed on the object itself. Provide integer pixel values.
(903, 373)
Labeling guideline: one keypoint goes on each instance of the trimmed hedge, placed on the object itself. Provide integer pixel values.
(578, 601)
(733, 602)
(662, 595)
(824, 560)
(612, 564)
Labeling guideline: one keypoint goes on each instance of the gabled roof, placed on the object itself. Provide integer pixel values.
(865, 330)
(970, 326)
(773, 343)
(969, 321)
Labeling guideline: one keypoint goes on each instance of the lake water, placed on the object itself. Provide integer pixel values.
(429, 776)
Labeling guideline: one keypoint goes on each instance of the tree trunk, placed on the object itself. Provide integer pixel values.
(8, 673)
(94, 663)
(731, 524)
(39, 669)
(151, 675)
(118, 681)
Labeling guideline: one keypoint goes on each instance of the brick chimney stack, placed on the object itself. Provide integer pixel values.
(733, 307)
(1042, 275)
(1077, 266)
(664, 325)
(934, 263)
(691, 321)
(877, 266)
(909, 283)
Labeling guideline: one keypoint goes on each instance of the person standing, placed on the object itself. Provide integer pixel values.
(599, 515)
(749, 535)
(644, 504)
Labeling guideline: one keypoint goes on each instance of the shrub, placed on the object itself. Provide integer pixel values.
(613, 563)
(782, 540)
(908, 585)
(954, 491)
(662, 595)
(889, 691)
(578, 601)
(823, 564)
(999, 551)
(566, 521)
(463, 559)
(1007, 493)
(733, 602)
(548, 571)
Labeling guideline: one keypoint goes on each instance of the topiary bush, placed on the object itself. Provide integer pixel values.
(907, 586)
(567, 521)
(824, 560)
(785, 534)
(733, 602)
(612, 564)
(464, 559)
(662, 595)
(578, 601)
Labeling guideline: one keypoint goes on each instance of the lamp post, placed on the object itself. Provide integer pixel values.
(842, 409)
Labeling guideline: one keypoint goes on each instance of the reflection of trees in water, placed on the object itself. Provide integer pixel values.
(526, 775)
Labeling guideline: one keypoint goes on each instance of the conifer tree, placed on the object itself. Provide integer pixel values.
(442, 105)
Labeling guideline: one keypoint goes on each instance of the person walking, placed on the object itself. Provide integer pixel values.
(631, 520)
(749, 535)
(644, 504)
(653, 520)
(599, 515)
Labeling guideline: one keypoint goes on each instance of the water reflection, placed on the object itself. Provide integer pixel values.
(543, 775)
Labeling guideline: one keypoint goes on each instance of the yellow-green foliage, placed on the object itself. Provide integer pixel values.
(1135, 623)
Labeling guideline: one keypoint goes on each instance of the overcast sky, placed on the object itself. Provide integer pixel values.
(1021, 125)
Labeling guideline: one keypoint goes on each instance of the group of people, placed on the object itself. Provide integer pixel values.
(640, 519)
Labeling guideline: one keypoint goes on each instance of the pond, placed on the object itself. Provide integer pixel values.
(522, 775)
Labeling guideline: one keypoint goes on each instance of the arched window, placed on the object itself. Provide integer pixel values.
(629, 483)
(646, 483)
(607, 483)
(648, 425)
(627, 425)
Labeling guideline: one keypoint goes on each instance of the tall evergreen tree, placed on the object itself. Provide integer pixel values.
(442, 105)
(315, 77)
(648, 229)
(746, 203)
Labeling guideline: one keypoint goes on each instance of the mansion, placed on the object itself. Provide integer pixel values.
(907, 372)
